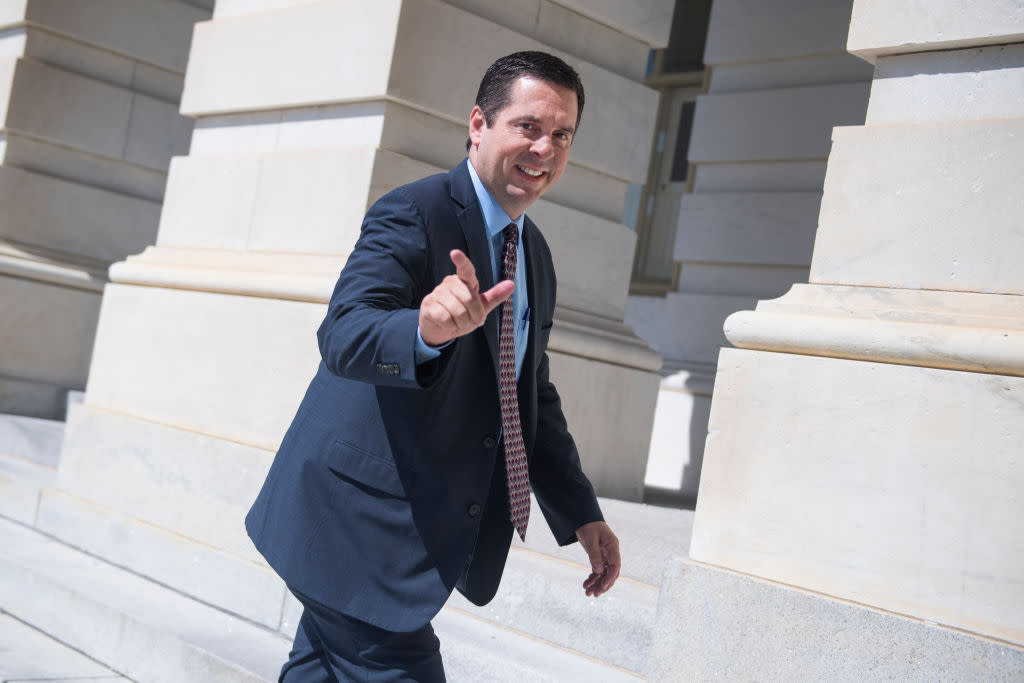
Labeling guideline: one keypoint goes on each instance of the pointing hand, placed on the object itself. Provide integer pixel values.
(457, 306)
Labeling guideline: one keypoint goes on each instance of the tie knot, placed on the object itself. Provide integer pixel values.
(511, 233)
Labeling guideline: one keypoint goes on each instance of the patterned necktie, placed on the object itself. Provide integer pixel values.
(516, 470)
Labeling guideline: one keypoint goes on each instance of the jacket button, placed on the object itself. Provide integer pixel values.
(473, 510)
(489, 442)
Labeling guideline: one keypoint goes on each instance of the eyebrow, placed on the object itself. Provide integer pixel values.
(533, 119)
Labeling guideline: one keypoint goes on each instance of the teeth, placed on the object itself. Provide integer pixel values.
(529, 172)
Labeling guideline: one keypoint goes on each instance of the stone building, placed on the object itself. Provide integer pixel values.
(788, 246)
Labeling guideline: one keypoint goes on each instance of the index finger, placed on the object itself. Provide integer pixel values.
(464, 269)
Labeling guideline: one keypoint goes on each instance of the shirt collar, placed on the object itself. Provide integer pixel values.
(495, 217)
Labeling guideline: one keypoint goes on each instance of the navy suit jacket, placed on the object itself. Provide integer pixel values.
(388, 490)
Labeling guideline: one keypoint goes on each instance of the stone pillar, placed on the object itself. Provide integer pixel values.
(779, 80)
(860, 508)
(89, 109)
(305, 114)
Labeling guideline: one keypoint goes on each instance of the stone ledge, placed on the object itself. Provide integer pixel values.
(949, 330)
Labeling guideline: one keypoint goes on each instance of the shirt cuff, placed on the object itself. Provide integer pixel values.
(426, 353)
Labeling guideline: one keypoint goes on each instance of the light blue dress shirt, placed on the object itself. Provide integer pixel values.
(495, 221)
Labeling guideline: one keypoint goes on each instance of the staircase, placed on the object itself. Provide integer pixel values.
(84, 575)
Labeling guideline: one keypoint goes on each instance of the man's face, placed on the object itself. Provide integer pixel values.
(524, 153)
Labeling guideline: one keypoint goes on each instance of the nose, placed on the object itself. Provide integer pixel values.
(542, 147)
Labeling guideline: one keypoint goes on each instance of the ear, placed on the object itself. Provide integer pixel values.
(477, 123)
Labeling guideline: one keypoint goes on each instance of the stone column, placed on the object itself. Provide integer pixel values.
(860, 508)
(779, 79)
(305, 114)
(89, 108)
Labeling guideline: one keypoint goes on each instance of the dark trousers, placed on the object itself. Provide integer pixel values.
(333, 648)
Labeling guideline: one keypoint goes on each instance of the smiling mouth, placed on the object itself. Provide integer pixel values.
(530, 172)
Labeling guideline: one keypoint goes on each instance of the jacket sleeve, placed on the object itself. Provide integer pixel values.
(369, 332)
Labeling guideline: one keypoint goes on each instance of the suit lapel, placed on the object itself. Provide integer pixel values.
(472, 222)
(531, 292)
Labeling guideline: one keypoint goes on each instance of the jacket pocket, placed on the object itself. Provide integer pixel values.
(353, 463)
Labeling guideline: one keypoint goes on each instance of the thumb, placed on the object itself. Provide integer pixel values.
(597, 563)
(496, 295)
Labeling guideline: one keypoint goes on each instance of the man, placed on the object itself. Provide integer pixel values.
(410, 460)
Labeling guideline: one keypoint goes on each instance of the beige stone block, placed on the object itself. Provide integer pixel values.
(905, 497)
(932, 207)
(82, 58)
(299, 57)
(771, 176)
(648, 20)
(108, 120)
(190, 484)
(74, 218)
(767, 228)
(677, 438)
(209, 201)
(732, 279)
(773, 125)
(788, 73)
(195, 357)
(697, 333)
(156, 132)
(47, 331)
(236, 8)
(31, 398)
(742, 31)
(611, 433)
(980, 83)
(599, 43)
(251, 132)
(309, 201)
(409, 51)
(43, 95)
(158, 82)
(593, 258)
(72, 164)
(564, 29)
(7, 69)
(12, 11)
(881, 27)
(154, 31)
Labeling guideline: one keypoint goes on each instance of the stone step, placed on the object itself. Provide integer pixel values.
(540, 594)
(139, 628)
(21, 483)
(544, 596)
(29, 453)
(30, 655)
(149, 632)
(31, 438)
(648, 536)
(477, 651)
(541, 591)
(248, 589)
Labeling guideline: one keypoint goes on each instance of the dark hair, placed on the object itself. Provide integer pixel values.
(493, 95)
